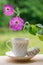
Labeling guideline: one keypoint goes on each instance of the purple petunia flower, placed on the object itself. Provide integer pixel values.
(16, 23)
(8, 10)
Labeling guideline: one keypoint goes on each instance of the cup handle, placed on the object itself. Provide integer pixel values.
(8, 45)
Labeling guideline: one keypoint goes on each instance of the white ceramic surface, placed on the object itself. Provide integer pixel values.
(12, 56)
(19, 46)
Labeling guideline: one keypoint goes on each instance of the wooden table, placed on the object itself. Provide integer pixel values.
(37, 60)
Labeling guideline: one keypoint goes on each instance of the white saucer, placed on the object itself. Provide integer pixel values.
(11, 55)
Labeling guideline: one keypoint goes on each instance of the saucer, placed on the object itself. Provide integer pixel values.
(11, 55)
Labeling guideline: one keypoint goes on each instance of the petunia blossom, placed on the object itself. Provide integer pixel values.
(16, 23)
(8, 10)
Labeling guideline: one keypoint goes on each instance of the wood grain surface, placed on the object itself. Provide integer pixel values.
(37, 60)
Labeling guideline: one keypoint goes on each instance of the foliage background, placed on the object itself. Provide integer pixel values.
(31, 10)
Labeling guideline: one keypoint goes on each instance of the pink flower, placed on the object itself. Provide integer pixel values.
(16, 23)
(8, 10)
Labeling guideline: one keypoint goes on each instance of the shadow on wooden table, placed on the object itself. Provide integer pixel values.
(20, 61)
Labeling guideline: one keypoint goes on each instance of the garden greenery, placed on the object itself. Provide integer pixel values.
(30, 10)
(18, 20)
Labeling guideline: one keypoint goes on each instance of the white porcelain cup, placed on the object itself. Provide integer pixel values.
(19, 46)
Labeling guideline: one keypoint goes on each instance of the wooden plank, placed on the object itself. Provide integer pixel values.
(37, 60)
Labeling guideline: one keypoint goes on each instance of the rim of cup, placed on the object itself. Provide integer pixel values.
(20, 39)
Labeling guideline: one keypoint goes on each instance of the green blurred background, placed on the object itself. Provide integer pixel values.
(31, 10)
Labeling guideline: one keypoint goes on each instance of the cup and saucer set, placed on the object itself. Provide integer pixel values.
(19, 50)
